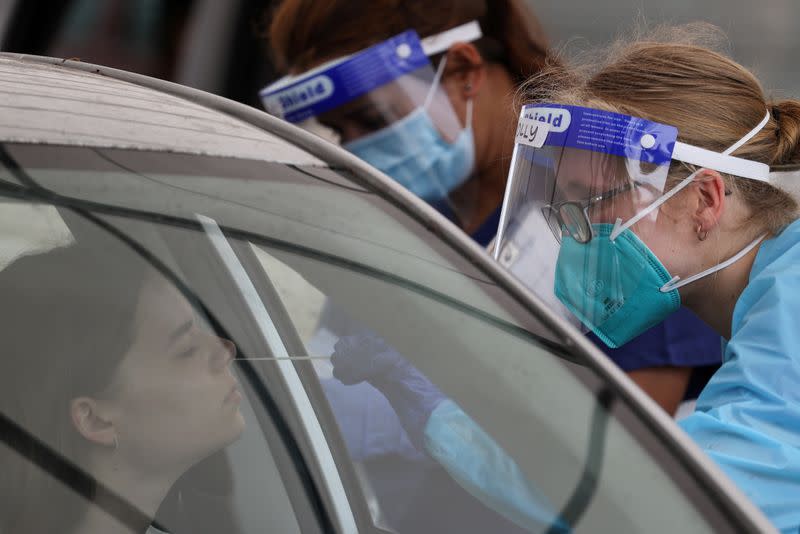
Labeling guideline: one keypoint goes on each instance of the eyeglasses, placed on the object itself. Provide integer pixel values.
(571, 217)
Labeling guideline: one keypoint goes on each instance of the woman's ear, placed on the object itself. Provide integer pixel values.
(709, 201)
(464, 72)
(91, 421)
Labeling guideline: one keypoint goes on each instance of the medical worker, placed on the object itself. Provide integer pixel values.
(668, 177)
(434, 110)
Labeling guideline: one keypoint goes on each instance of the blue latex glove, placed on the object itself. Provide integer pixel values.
(413, 397)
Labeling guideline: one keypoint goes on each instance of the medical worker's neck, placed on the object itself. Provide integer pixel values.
(715, 297)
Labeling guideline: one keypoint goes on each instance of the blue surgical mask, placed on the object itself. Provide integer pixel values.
(413, 152)
(616, 288)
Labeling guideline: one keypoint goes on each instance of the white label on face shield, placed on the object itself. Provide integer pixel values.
(531, 132)
(301, 95)
(558, 119)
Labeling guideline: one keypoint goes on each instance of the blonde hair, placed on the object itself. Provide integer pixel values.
(677, 76)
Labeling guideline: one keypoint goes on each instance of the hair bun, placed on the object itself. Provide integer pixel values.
(787, 116)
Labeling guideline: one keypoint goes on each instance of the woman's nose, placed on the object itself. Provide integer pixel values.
(224, 353)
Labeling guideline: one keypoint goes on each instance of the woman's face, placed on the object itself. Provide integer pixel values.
(174, 395)
(605, 179)
(388, 104)
(368, 114)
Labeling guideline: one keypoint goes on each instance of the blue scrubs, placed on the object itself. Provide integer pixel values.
(682, 340)
(748, 416)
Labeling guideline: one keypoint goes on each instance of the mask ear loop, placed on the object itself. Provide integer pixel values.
(468, 117)
(437, 78)
(675, 284)
(619, 227)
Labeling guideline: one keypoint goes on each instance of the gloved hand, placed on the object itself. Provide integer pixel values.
(367, 357)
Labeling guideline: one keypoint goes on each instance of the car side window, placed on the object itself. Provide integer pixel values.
(120, 402)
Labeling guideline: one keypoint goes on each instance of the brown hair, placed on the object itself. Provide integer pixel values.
(305, 33)
(67, 321)
(675, 76)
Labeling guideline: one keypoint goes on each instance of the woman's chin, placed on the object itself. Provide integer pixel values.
(240, 425)
(237, 427)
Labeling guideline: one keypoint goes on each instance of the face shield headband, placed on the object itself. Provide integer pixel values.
(296, 98)
(588, 176)
(386, 105)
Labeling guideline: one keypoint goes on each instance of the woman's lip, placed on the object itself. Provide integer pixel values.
(234, 395)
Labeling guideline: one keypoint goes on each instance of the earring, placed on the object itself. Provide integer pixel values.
(116, 443)
(468, 87)
(701, 234)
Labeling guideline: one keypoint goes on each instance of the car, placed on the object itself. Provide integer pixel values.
(286, 243)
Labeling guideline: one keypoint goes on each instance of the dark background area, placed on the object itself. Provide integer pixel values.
(215, 44)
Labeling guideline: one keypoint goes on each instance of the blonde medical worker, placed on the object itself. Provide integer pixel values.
(667, 177)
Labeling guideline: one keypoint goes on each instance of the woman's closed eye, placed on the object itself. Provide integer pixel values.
(187, 352)
(184, 340)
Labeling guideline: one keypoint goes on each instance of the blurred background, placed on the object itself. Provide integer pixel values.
(216, 45)
(763, 35)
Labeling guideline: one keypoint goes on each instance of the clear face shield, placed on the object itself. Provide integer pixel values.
(387, 106)
(585, 193)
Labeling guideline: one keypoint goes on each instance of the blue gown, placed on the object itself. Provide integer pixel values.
(748, 416)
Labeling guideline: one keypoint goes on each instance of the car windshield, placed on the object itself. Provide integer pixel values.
(283, 266)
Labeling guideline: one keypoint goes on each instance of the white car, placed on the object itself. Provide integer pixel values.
(286, 243)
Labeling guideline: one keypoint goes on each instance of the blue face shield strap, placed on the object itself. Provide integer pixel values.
(296, 98)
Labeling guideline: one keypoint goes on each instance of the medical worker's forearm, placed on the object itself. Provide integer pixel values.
(482, 468)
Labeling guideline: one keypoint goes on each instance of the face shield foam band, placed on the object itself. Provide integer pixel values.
(296, 98)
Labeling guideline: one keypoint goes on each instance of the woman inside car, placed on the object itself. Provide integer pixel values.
(109, 368)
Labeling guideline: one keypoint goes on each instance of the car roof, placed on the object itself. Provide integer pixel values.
(49, 103)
